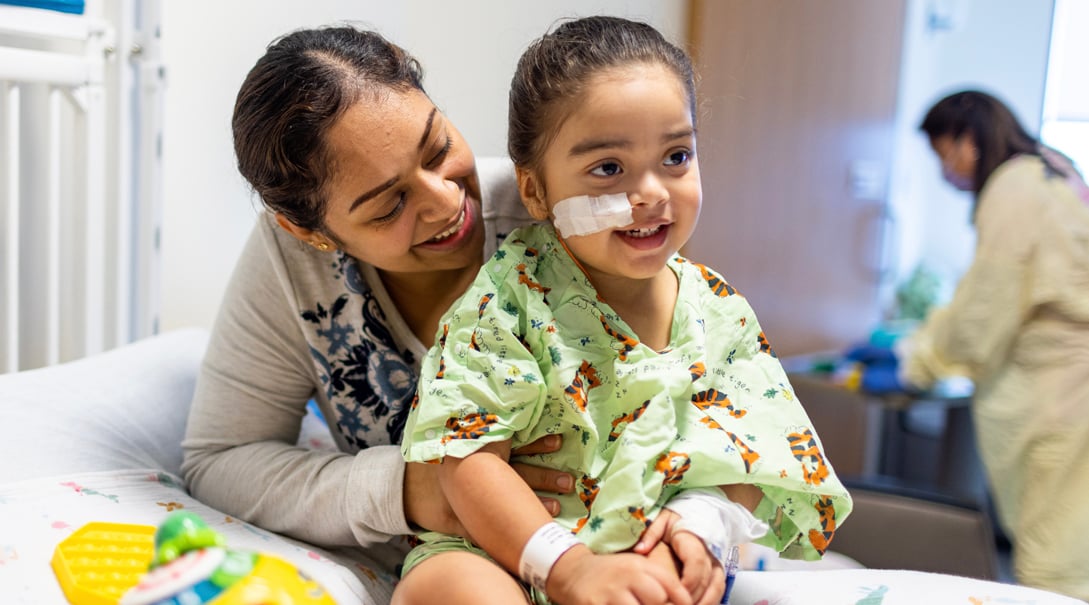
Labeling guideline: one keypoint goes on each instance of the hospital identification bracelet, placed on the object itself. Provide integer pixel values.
(544, 548)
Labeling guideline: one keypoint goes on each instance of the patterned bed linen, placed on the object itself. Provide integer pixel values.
(37, 514)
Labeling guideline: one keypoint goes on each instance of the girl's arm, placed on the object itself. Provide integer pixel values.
(498, 510)
(501, 513)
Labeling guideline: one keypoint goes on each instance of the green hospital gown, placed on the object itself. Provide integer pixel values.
(529, 351)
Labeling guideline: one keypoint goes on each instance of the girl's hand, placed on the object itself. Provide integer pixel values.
(426, 506)
(701, 575)
(581, 577)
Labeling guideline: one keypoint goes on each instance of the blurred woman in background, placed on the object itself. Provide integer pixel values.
(1018, 326)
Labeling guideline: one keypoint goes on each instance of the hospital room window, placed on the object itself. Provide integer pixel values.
(1066, 93)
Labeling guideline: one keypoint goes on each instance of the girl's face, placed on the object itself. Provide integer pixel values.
(631, 131)
(958, 158)
(402, 192)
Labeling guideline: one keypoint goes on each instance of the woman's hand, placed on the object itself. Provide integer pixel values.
(544, 479)
(426, 506)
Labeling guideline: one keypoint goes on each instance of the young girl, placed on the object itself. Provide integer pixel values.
(652, 367)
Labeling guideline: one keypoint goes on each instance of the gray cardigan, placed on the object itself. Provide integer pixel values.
(297, 324)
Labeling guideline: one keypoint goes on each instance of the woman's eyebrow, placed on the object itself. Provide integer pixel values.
(390, 183)
(427, 128)
(372, 193)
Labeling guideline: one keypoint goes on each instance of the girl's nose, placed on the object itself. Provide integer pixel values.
(650, 191)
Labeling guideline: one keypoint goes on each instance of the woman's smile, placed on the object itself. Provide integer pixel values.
(458, 232)
(451, 230)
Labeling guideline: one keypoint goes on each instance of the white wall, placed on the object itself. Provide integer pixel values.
(468, 50)
(996, 45)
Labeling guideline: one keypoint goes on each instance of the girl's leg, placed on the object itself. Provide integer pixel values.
(455, 578)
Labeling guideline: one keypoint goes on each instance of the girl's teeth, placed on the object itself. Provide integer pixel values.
(644, 232)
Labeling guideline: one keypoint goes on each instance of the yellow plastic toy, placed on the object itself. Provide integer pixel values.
(183, 562)
(100, 561)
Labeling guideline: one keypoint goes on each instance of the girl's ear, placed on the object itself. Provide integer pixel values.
(532, 191)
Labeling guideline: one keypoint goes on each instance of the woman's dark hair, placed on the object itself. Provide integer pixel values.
(288, 101)
(554, 70)
(993, 127)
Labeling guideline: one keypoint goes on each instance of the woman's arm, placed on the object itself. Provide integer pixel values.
(256, 378)
(255, 381)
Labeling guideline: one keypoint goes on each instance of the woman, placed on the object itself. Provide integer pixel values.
(376, 222)
(1018, 325)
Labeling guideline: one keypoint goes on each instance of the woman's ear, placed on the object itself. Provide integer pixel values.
(304, 235)
(533, 195)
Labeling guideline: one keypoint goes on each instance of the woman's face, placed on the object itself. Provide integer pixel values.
(403, 193)
(958, 157)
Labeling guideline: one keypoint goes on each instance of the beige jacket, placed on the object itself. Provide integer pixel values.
(1018, 326)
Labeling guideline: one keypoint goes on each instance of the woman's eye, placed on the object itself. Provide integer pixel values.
(677, 158)
(607, 169)
(392, 214)
(441, 155)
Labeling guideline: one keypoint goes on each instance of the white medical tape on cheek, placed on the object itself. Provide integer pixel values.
(584, 214)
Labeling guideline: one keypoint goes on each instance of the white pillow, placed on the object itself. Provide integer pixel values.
(121, 409)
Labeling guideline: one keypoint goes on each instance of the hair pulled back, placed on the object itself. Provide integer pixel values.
(997, 133)
(556, 68)
(290, 98)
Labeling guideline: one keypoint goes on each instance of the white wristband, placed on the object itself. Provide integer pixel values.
(544, 548)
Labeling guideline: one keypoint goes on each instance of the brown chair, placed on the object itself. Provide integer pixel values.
(896, 527)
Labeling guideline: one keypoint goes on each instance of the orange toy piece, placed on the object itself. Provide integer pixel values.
(98, 563)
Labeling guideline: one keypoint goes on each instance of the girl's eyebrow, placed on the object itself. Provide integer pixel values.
(683, 133)
(591, 145)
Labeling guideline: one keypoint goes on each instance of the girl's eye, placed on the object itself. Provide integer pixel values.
(607, 169)
(392, 214)
(677, 158)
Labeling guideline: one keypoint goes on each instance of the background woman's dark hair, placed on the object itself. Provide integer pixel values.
(996, 132)
(554, 70)
(288, 101)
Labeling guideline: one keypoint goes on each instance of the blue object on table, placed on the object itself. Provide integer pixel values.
(880, 368)
(881, 379)
(74, 7)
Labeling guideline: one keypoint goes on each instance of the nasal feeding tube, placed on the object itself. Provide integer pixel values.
(586, 214)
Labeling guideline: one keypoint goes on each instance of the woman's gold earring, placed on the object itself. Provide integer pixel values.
(323, 246)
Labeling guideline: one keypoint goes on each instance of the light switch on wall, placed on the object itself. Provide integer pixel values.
(866, 180)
